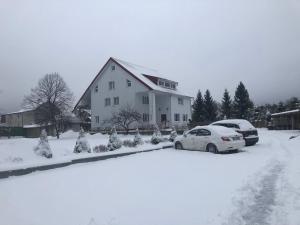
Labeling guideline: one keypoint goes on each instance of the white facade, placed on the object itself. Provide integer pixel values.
(115, 87)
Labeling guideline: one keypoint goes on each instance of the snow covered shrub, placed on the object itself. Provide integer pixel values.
(114, 141)
(82, 144)
(15, 159)
(137, 138)
(173, 134)
(129, 143)
(43, 147)
(156, 137)
(100, 148)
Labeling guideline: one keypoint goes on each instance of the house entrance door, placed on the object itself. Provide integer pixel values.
(163, 119)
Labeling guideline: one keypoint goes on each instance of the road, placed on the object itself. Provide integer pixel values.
(259, 185)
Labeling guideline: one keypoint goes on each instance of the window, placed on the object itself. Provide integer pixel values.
(180, 101)
(173, 86)
(145, 99)
(184, 117)
(113, 67)
(177, 117)
(167, 84)
(145, 117)
(107, 101)
(3, 119)
(203, 132)
(161, 83)
(96, 88)
(128, 83)
(111, 85)
(193, 132)
(116, 100)
(97, 119)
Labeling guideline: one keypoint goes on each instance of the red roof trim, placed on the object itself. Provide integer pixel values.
(110, 59)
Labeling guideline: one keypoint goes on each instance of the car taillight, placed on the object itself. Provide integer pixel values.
(225, 138)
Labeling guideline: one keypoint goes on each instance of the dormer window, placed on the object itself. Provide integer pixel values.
(167, 84)
(161, 83)
(173, 86)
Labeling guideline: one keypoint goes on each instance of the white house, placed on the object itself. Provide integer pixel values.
(120, 83)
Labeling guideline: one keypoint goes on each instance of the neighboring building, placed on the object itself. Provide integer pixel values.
(19, 118)
(24, 123)
(120, 83)
(288, 120)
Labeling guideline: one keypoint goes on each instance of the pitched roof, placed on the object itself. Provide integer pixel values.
(137, 72)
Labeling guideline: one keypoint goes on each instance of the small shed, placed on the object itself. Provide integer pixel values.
(287, 120)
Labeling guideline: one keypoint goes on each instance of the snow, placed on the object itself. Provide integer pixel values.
(286, 112)
(19, 111)
(17, 153)
(260, 185)
(138, 71)
(243, 124)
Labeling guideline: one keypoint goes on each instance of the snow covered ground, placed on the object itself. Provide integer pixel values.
(259, 185)
(18, 153)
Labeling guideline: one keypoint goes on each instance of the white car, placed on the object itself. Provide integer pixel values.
(210, 138)
(243, 127)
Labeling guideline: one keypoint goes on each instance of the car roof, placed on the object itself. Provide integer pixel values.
(217, 129)
(243, 124)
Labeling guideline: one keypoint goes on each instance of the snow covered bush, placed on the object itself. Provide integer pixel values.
(129, 143)
(114, 141)
(82, 144)
(156, 137)
(173, 134)
(137, 138)
(43, 147)
(100, 148)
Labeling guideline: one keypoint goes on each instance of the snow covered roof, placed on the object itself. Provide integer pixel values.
(20, 111)
(286, 112)
(138, 72)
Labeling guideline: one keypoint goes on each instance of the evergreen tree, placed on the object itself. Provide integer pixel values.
(242, 104)
(292, 103)
(281, 107)
(198, 108)
(226, 107)
(210, 111)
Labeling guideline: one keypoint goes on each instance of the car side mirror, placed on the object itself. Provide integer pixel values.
(185, 135)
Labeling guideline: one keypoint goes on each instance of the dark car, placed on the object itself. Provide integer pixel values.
(243, 127)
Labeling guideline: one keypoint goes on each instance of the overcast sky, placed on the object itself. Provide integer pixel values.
(202, 44)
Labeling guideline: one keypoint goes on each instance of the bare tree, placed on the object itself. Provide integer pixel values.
(124, 118)
(50, 99)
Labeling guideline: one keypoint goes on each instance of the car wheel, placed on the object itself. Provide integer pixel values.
(212, 148)
(178, 145)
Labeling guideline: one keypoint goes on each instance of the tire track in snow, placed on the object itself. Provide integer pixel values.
(256, 208)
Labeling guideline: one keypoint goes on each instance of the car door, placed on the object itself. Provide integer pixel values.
(202, 139)
(189, 140)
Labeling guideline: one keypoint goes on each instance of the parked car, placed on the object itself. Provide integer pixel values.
(210, 138)
(243, 127)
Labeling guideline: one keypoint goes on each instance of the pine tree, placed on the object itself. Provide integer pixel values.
(242, 103)
(82, 144)
(226, 107)
(198, 108)
(43, 147)
(292, 103)
(210, 111)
